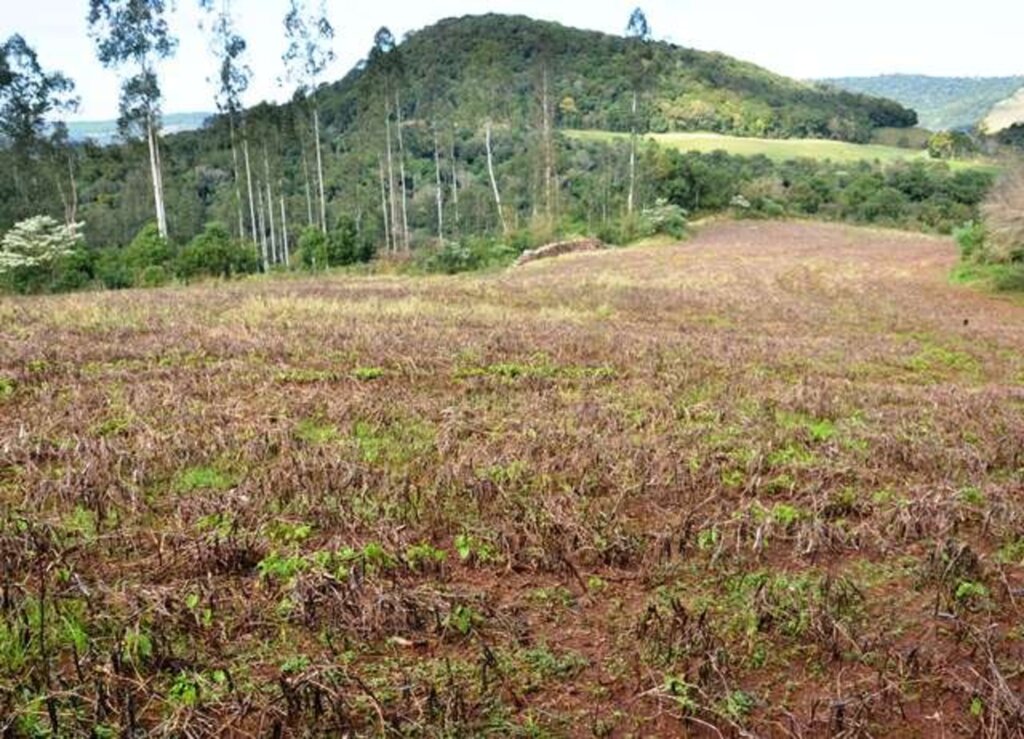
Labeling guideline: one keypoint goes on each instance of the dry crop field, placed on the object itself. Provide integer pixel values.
(764, 483)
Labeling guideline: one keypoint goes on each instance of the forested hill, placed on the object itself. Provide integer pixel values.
(942, 103)
(452, 133)
(492, 65)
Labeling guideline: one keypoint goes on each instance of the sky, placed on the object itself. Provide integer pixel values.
(799, 38)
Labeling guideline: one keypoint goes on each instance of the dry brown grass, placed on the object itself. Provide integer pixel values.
(766, 483)
(1004, 217)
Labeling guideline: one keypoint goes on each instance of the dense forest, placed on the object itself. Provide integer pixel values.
(942, 103)
(446, 146)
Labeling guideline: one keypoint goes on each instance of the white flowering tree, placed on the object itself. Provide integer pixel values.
(37, 242)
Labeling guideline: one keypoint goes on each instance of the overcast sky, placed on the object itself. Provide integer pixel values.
(800, 38)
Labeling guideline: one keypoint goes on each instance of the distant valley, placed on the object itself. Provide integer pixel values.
(105, 132)
(945, 103)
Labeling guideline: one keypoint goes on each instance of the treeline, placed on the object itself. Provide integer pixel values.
(406, 130)
(676, 187)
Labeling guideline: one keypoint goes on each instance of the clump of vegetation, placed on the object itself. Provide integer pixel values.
(992, 249)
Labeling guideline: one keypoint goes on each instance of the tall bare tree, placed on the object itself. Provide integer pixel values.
(310, 36)
(639, 31)
(233, 77)
(134, 34)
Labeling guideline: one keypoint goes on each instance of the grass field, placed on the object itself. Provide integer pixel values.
(782, 149)
(766, 483)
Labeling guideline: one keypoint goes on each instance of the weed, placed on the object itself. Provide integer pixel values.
(368, 374)
(475, 551)
(202, 478)
(424, 557)
(314, 431)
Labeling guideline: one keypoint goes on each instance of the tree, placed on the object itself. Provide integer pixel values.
(387, 67)
(135, 33)
(37, 242)
(950, 145)
(639, 30)
(147, 249)
(309, 53)
(29, 97)
(214, 253)
(233, 77)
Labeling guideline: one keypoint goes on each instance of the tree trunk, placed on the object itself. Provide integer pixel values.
(237, 176)
(252, 202)
(549, 163)
(384, 204)
(401, 167)
(440, 190)
(455, 184)
(309, 193)
(158, 190)
(275, 257)
(160, 179)
(320, 169)
(632, 159)
(263, 229)
(494, 182)
(284, 229)
(391, 180)
(73, 215)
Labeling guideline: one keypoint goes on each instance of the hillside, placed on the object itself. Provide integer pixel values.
(439, 91)
(493, 62)
(743, 481)
(1006, 113)
(942, 103)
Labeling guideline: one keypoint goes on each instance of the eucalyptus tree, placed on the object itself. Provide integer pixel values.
(233, 77)
(134, 35)
(29, 97)
(639, 31)
(310, 36)
(492, 73)
(383, 66)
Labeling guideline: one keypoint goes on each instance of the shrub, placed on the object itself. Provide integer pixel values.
(147, 249)
(971, 240)
(1011, 279)
(155, 275)
(664, 218)
(471, 254)
(31, 251)
(1004, 219)
(313, 249)
(214, 253)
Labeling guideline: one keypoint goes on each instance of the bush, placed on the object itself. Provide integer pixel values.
(147, 249)
(468, 255)
(1004, 219)
(111, 270)
(155, 275)
(664, 218)
(214, 253)
(313, 249)
(971, 240)
(1011, 279)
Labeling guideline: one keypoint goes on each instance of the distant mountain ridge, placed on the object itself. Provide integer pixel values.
(942, 103)
(105, 132)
